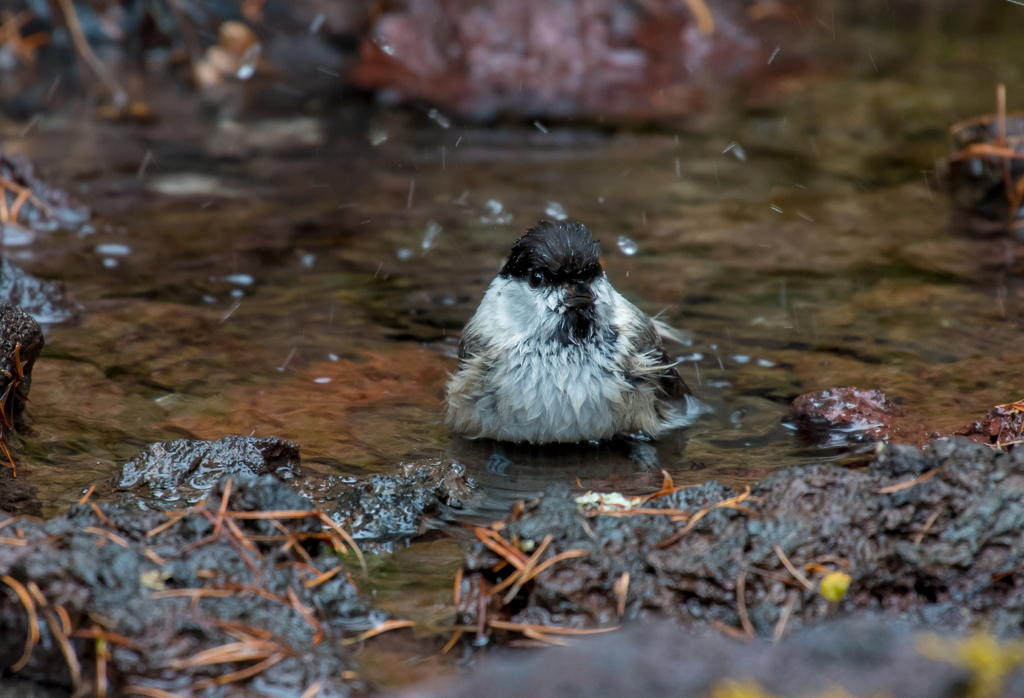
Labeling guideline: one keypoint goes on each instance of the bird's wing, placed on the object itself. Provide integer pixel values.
(649, 343)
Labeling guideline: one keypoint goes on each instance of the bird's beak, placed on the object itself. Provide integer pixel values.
(578, 295)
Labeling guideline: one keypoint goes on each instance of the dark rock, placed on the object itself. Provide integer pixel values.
(1002, 425)
(17, 495)
(185, 469)
(946, 550)
(256, 593)
(841, 416)
(978, 169)
(392, 507)
(858, 659)
(47, 207)
(21, 341)
(557, 57)
(46, 301)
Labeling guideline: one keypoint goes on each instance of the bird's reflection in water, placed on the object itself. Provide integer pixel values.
(508, 472)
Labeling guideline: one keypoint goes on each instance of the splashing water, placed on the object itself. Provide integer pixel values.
(627, 246)
(556, 211)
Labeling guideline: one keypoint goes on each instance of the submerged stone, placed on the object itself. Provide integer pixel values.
(186, 469)
(46, 301)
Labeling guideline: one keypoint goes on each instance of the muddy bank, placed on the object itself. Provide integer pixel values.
(932, 537)
(856, 659)
(247, 588)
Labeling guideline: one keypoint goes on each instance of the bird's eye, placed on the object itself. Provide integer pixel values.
(536, 279)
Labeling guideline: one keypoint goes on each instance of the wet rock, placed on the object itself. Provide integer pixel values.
(17, 495)
(1003, 426)
(186, 469)
(978, 169)
(43, 207)
(840, 416)
(111, 577)
(931, 536)
(846, 658)
(46, 301)
(296, 136)
(21, 341)
(556, 58)
(387, 508)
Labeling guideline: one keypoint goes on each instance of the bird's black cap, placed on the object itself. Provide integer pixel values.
(562, 251)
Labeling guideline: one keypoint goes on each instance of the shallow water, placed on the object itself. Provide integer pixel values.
(801, 243)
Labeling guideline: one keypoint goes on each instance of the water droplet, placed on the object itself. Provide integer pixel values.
(239, 279)
(556, 211)
(308, 260)
(775, 208)
(112, 249)
(692, 357)
(16, 236)
(497, 214)
(404, 254)
(247, 66)
(627, 246)
(384, 45)
(324, 379)
(209, 299)
(332, 357)
(433, 230)
(765, 363)
(740, 358)
(86, 230)
(109, 262)
(737, 150)
(440, 118)
(377, 136)
(237, 293)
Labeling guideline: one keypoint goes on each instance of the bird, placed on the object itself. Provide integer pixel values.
(554, 354)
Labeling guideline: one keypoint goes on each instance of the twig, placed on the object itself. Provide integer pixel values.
(621, 588)
(85, 51)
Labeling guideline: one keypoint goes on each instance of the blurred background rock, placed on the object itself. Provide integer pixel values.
(606, 59)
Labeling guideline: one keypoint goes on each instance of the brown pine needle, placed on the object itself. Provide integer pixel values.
(705, 22)
(908, 483)
(787, 611)
(223, 507)
(741, 603)
(567, 555)
(148, 691)
(112, 537)
(66, 648)
(927, 525)
(330, 523)
(18, 203)
(248, 673)
(175, 518)
(101, 668)
(88, 493)
(458, 588)
(98, 633)
(512, 579)
(231, 652)
(451, 643)
(731, 503)
(33, 623)
(317, 581)
(621, 588)
(535, 634)
(102, 517)
(153, 557)
(312, 690)
(548, 629)
(730, 631)
(792, 570)
(378, 629)
(175, 593)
